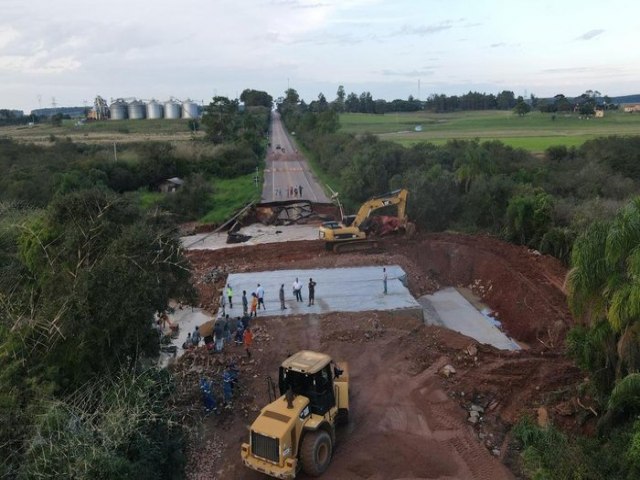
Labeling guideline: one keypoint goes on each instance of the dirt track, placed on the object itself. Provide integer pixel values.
(407, 420)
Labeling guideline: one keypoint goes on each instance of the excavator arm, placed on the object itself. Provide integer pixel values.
(397, 197)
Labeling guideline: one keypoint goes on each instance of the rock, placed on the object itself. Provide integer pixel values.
(447, 370)
(471, 350)
(543, 417)
(477, 408)
(474, 413)
(472, 420)
(495, 452)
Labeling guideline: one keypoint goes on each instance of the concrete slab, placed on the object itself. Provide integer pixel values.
(448, 308)
(338, 290)
(259, 234)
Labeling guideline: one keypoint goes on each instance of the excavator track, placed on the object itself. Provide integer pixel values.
(355, 246)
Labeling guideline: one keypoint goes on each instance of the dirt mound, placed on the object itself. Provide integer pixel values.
(408, 420)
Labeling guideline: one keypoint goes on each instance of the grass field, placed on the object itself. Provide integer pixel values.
(229, 195)
(535, 131)
(120, 131)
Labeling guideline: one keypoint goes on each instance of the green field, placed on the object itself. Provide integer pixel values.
(107, 131)
(535, 131)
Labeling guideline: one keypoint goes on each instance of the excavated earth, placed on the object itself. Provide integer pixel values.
(408, 420)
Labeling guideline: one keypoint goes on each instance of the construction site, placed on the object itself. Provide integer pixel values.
(467, 339)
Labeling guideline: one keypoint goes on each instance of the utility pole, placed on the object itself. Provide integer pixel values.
(115, 152)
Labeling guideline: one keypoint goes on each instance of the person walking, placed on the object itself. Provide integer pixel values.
(230, 295)
(384, 279)
(300, 190)
(248, 341)
(245, 303)
(254, 305)
(282, 307)
(312, 292)
(297, 290)
(260, 294)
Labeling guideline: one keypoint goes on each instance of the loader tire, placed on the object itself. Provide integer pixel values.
(315, 453)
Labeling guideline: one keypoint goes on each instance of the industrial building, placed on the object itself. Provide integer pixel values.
(172, 109)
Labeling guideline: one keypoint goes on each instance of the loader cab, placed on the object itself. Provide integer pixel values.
(317, 387)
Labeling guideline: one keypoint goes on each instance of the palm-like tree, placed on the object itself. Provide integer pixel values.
(604, 283)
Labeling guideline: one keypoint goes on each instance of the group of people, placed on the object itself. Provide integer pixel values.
(222, 329)
(292, 192)
(229, 383)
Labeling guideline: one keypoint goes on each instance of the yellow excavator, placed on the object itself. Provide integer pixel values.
(297, 430)
(354, 231)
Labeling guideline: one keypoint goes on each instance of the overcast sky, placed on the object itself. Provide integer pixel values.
(75, 49)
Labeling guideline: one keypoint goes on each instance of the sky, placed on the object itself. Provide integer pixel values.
(73, 50)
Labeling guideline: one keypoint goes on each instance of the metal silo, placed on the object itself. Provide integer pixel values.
(189, 110)
(172, 110)
(137, 110)
(154, 110)
(118, 110)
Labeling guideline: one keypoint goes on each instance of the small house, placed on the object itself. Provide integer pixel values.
(170, 185)
(632, 107)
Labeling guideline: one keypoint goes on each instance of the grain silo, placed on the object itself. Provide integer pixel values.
(118, 110)
(189, 110)
(154, 110)
(172, 110)
(137, 110)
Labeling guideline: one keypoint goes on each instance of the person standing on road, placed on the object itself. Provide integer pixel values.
(295, 191)
(260, 295)
(297, 290)
(195, 337)
(254, 305)
(384, 279)
(230, 295)
(245, 303)
(312, 292)
(300, 190)
(281, 293)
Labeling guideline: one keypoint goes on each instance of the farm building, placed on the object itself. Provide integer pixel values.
(632, 107)
(170, 185)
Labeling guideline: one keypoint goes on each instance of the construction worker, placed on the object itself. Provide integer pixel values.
(281, 293)
(245, 303)
(248, 341)
(230, 295)
(207, 398)
(227, 387)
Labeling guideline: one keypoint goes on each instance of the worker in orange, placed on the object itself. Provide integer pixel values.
(254, 305)
(247, 339)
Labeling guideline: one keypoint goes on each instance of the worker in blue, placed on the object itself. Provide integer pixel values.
(207, 397)
(227, 388)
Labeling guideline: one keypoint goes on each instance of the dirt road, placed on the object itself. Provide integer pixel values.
(287, 169)
(408, 421)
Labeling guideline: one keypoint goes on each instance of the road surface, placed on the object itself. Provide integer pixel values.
(287, 169)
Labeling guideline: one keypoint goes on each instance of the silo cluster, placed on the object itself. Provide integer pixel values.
(153, 110)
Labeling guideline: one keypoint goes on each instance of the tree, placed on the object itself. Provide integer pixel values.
(603, 284)
(338, 103)
(220, 120)
(256, 98)
(522, 107)
(352, 104)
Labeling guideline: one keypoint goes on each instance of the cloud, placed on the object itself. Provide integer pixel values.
(423, 30)
(591, 34)
(38, 64)
(410, 73)
(497, 45)
(7, 35)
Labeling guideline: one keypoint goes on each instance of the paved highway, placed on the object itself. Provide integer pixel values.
(287, 169)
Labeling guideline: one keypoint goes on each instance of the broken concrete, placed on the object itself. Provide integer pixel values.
(258, 234)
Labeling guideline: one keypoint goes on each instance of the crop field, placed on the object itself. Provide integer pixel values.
(120, 131)
(535, 131)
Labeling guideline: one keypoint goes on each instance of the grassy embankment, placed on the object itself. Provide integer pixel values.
(534, 132)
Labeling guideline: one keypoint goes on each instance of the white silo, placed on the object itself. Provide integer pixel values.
(190, 110)
(118, 110)
(172, 110)
(154, 110)
(137, 110)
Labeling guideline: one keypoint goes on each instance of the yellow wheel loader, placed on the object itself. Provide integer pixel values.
(297, 430)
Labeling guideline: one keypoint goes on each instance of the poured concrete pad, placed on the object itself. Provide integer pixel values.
(448, 308)
(337, 290)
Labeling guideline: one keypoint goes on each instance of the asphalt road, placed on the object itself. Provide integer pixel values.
(287, 169)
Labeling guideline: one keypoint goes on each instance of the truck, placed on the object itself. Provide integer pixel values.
(297, 431)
